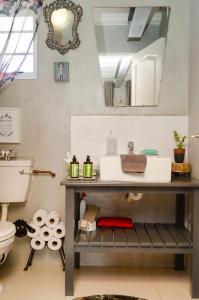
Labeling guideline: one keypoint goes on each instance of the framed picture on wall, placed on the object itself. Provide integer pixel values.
(10, 125)
(61, 71)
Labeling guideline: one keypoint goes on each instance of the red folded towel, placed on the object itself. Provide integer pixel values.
(118, 222)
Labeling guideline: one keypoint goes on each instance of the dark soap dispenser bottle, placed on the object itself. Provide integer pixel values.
(88, 168)
(74, 168)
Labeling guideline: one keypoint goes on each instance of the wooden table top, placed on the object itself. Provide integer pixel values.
(177, 183)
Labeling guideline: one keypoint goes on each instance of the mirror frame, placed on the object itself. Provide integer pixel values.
(77, 11)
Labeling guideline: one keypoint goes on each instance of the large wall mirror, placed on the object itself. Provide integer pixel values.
(131, 44)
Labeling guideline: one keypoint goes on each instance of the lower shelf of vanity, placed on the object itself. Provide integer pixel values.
(145, 238)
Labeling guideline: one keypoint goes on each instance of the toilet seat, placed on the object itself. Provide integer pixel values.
(7, 230)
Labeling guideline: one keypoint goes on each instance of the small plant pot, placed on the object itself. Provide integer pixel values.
(179, 154)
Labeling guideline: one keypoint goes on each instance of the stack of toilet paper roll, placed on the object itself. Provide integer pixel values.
(49, 230)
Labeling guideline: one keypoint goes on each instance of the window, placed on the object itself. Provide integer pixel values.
(20, 39)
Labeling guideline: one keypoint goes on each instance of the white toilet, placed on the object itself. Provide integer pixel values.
(15, 178)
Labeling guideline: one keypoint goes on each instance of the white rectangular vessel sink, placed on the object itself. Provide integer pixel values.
(158, 169)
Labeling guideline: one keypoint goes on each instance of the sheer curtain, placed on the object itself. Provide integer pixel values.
(19, 21)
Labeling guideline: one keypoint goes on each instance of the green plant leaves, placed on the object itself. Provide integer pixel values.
(180, 140)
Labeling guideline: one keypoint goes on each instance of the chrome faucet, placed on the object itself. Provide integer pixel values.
(7, 154)
(130, 147)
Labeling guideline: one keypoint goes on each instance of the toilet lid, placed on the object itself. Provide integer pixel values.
(6, 229)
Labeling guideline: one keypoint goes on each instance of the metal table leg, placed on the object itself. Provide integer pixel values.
(180, 219)
(195, 255)
(69, 240)
(77, 217)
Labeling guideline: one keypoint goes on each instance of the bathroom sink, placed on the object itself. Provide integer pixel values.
(158, 169)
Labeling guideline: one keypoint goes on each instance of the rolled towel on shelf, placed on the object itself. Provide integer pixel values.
(37, 231)
(37, 243)
(59, 230)
(53, 219)
(118, 222)
(130, 197)
(40, 216)
(46, 233)
(54, 244)
(133, 163)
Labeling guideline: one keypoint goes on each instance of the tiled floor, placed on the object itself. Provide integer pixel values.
(47, 283)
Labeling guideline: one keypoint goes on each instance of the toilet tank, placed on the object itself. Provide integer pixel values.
(14, 186)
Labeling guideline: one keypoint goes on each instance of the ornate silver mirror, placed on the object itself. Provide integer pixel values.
(63, 17)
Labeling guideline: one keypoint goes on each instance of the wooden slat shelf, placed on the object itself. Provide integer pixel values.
(158, 237)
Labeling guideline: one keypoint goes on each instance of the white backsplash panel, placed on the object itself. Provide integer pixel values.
(89, 134)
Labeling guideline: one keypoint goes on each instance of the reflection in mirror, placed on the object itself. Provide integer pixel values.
(63, 17)
(131, 43)
(62, 21)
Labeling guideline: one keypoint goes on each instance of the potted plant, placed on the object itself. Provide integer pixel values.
(179, 151)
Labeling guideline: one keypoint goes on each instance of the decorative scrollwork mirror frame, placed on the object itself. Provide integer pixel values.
(77, 11)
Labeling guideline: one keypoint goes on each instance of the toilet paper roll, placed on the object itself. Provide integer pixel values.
(54, 244)
(53, 219)
(37, 230)
(59, 230)
(37, 243)
(134, 197)
(46, 233)
(39, 217)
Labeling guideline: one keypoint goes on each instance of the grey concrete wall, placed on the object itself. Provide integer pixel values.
(47, 106)
(193, 85)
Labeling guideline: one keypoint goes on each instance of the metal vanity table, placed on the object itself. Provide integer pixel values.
(144, 238)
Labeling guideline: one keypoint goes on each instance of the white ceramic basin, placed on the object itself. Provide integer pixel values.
(158, 169)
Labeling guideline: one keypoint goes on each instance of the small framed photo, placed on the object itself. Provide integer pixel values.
(10, 125)
(61, 71)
